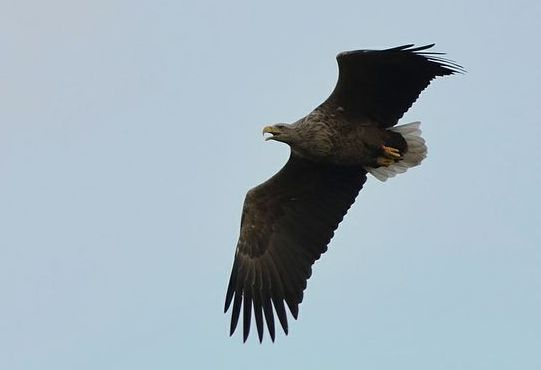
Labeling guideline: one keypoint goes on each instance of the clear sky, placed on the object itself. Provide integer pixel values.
(130, 132)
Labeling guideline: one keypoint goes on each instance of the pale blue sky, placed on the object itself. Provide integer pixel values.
(131, 130)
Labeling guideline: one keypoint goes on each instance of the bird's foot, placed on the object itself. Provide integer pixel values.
(391, 153)
(384, 161)
(389, 156)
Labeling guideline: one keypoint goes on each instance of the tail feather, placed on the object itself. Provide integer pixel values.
(411, 132)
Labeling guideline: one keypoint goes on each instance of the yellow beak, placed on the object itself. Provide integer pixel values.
(270, 130)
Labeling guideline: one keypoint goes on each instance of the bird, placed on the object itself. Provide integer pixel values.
(288, 221)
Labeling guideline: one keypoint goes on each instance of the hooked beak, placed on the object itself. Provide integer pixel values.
(271, 130)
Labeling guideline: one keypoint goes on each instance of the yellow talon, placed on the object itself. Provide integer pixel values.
(384, 161)
(391, 152)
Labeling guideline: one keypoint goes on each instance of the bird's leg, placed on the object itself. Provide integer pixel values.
(389, 156)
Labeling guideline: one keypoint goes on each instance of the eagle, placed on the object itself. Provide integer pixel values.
(288, 221)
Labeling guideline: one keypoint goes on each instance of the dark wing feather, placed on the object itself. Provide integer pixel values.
(381, 85)
(286, 225)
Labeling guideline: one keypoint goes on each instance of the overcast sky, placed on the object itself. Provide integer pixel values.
(130, 132)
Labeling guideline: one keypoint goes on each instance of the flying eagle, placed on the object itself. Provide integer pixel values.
(288, 220)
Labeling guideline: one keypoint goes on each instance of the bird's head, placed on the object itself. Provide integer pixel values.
(280, 132)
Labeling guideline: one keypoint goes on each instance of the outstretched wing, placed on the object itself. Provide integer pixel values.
(286, 225)
(381, 85)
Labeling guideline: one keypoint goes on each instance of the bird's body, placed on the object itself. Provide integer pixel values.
(288, 221)
(326, 136)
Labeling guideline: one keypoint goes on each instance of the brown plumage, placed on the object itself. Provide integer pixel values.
(288, 221)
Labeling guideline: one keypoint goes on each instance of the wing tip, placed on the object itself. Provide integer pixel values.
(448, 67)
(227, 304)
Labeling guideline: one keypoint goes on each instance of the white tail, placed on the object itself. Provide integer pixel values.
(411, 132)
